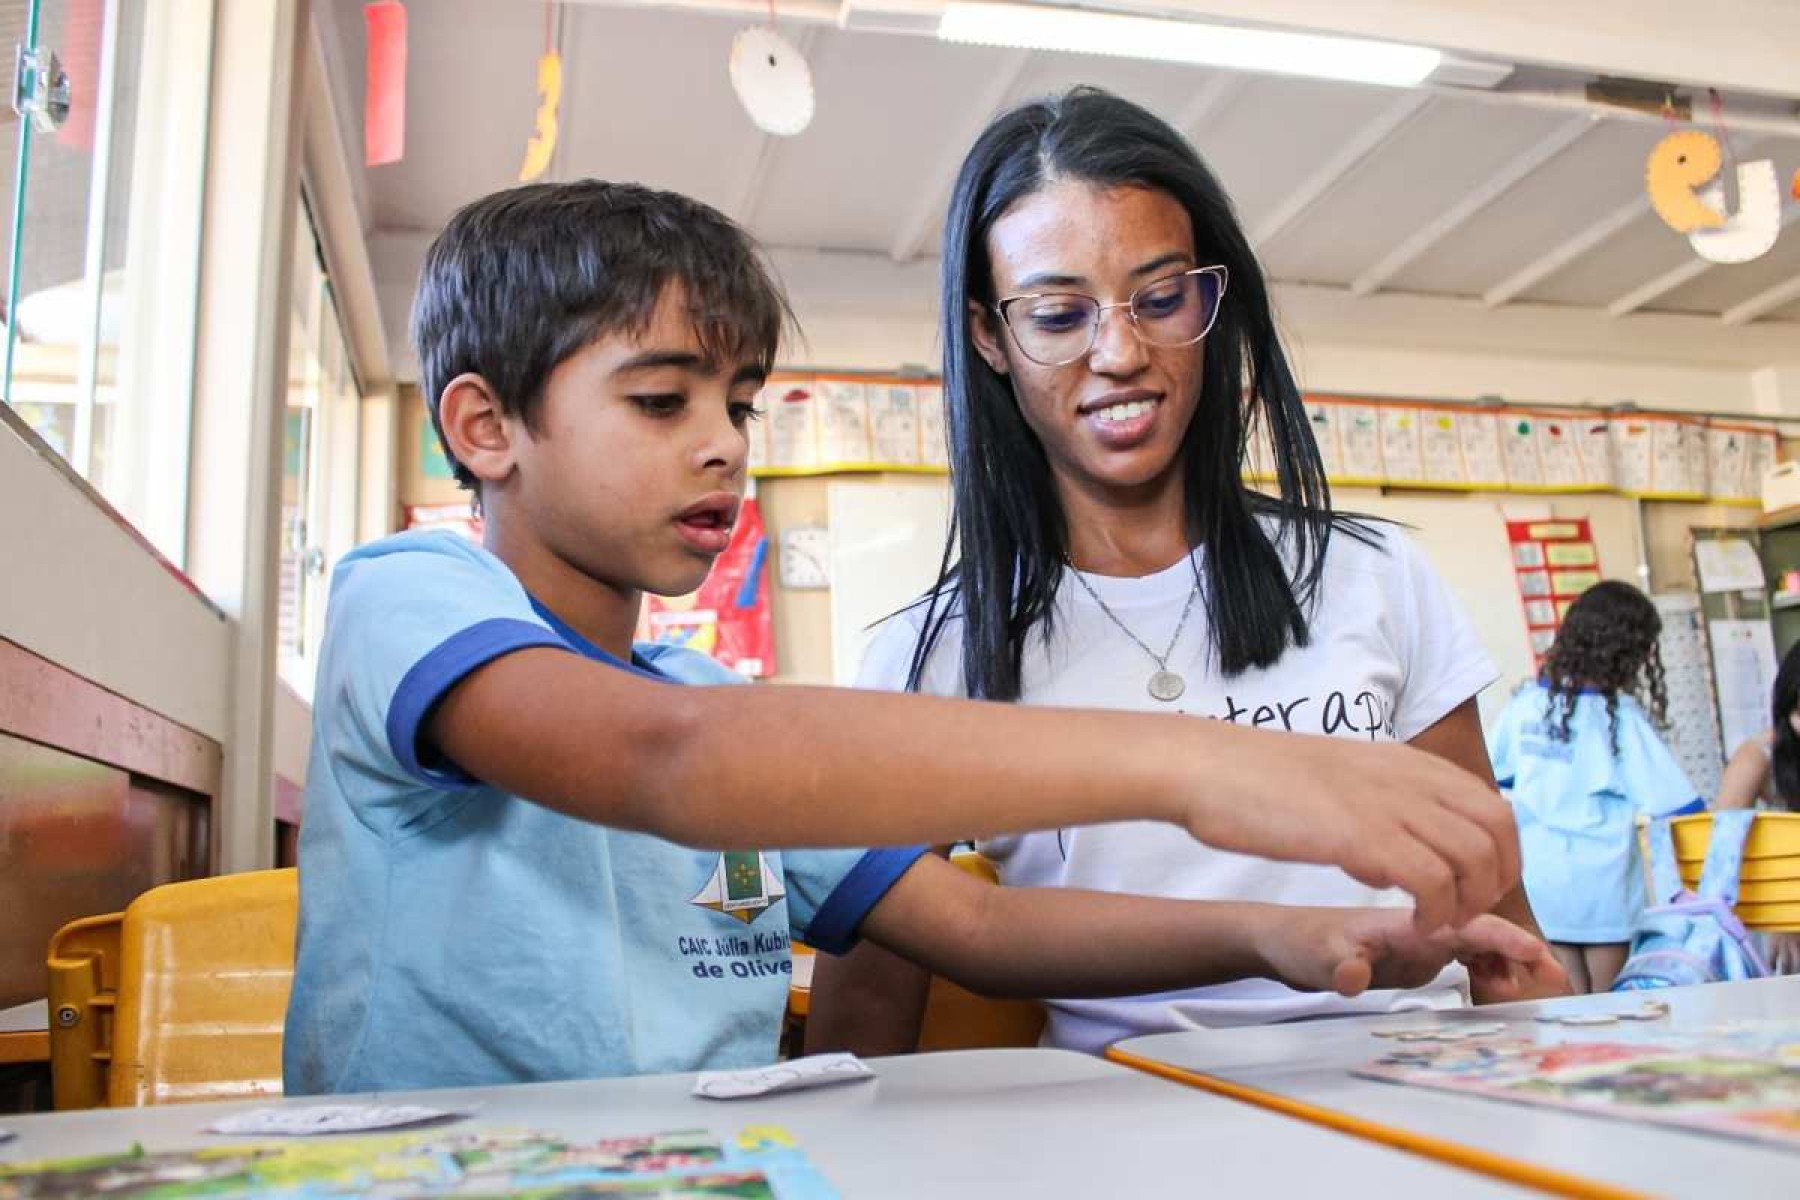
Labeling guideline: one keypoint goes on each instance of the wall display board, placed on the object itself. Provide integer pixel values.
(1740, 642)
(1555, 561)
(1693, 732)
(817, 424)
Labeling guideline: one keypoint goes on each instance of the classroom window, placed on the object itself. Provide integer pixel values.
(319, 456)
(99, 266)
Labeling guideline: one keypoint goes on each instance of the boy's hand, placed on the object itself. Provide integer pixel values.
(1349, 950)
(1389, 815)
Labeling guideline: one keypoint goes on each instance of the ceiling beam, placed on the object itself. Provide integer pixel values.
(1566, 252)
(935, 184)
(1668, 281)
(1495, 186)
(1763, 302)
(744, 192)
(1362, 144)
(1208, 101)
(1671, 279)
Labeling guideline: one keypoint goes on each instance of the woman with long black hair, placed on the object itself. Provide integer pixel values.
(1765, 772)
(1109, 352)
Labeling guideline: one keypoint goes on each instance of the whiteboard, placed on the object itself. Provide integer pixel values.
(887, 538)
(887, 542)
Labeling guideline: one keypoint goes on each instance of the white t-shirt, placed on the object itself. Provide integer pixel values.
(1391, 653)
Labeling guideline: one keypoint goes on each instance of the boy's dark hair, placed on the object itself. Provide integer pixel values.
(1607, 644)
(520, 280)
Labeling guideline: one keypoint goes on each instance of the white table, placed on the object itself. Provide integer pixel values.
(1305, 1069)
(33, 1016)
(977, 1123)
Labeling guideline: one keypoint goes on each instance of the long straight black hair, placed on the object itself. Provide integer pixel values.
(1008, 536)
(1784, 754)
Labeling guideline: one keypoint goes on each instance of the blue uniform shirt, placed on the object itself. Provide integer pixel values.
(1576, 803)
(453, 934)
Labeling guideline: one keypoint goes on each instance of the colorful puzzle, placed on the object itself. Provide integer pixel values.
(1739, 1080)
(761, 1164)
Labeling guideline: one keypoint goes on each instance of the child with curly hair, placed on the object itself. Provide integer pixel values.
(1580, 757)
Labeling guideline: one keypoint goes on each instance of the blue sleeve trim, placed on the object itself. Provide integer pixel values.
(833, 928)
(439, 671)
(1504, 784)
(1692, 806)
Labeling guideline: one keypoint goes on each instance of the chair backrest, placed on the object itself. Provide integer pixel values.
(1689, 934)
(958, 1019)
(83, 986)
(196, 975)
(1768, 897)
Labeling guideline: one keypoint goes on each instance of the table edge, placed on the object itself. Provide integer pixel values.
(1471, 1158)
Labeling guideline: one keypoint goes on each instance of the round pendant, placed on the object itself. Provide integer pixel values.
(1167, 686)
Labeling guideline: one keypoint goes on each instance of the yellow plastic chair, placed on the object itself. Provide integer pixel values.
(955, 1018)
(958, 1019)
(1769, 884)
(195, 977)
(83, 986)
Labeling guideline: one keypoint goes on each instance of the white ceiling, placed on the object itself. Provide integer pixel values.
(1469, 198)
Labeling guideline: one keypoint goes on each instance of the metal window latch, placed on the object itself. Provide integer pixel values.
(40, 87)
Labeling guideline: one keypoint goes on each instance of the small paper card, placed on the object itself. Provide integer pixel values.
(818, 1070)
(306, 1120)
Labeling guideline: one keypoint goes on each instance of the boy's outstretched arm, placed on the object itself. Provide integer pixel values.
(775, 766)
(1039, 942)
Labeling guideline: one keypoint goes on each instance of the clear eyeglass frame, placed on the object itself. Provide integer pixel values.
(1216, 272)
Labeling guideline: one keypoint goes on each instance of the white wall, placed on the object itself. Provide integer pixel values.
(79, 590)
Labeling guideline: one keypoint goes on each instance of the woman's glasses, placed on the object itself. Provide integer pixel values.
(1054, 329)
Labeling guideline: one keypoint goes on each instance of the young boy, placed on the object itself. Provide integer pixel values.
(499, 876)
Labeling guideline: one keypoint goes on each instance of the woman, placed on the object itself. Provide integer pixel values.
(1108, 350)
(1765, 771)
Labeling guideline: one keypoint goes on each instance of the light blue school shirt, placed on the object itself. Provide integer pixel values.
(1576, 803)
(454, 934)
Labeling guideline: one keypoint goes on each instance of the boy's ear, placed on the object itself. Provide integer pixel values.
(985, 332)
(476, 428)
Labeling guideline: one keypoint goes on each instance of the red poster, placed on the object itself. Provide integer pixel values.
(1555, 561)
(384, 82)
(729, 618)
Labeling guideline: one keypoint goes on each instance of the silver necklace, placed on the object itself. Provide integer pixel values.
(1165, 685)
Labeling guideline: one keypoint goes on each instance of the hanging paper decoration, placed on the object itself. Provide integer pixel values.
(384, 82)
(543, 139)
(772, 81)
(1679, 166)
(1686, 186)
(1751, 231)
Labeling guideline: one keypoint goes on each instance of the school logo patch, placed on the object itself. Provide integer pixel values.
(743, 885)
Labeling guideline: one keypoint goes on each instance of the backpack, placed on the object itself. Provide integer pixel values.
(1690, 937)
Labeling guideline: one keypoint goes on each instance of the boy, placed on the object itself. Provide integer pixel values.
(498, 882)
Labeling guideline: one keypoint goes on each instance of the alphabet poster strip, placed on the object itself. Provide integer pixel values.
(820, 423)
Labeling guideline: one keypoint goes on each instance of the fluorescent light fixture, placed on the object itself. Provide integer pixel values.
(1078, 31)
